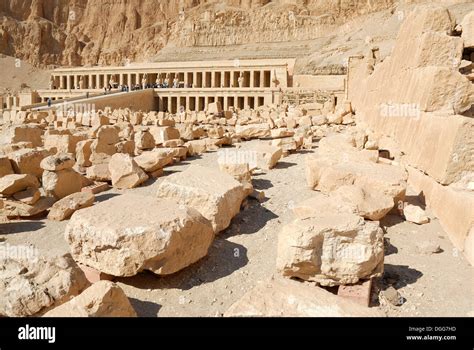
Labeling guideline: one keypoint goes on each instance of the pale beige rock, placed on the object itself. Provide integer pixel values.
(187, 132)
(60, 161)
(152, 161)
(253, 131)
(240, 172)
(173, 143)
(129, 233)
(27, 161)
(281, 132)
(102, 299)
(64, 208)
(29, 196)
(11, 184)
(30, 133)
(164, 133)
(286, 144)
(282, 297)
(343, 147)
(196, 147)
(20, 209)
(216, 132)
(62, 183)
(415, 214)
(417, 99)
(127, 147)
(369, 203)
(327, 175)
(467, 25)
(99, 172)
(9, 148)
(320, 205)
(62, 143)
(83, 153)
(267, 156)
(125, 172)
(5, 166)
(216, 195)
(319, 120)
(104, 146)
(332, 249)
(144, 140)
(32, 284)
(214, 108)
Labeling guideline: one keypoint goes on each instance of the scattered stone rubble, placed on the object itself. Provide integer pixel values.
(359, 174)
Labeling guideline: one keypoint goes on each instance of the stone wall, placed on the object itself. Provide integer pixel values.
(421, 100)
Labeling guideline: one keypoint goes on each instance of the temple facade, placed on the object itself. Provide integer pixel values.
(180, 85)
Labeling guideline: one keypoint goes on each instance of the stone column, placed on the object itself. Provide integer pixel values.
(75, 82)
(61, 82)
(186, 80)
(169, 103)
(68, 82)
(121, 78)
(226, 103)
(262, 78)
(187, 104)
(213, 79)
(252, 79)
(246, 101)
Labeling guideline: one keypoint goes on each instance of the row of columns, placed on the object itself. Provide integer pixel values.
(195, 79)
(174, 104)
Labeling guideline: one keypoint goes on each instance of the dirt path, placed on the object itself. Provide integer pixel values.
(433, 285)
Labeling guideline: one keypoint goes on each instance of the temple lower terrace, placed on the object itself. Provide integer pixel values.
(188, 86)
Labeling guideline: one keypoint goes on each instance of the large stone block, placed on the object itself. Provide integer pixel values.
(331, 249)
(65, 207)
(62, 143)
(125, 172)
(23, 133)
(130, 233)
(215, 194)
(152, 161)
(31, 285)
(102, 299)
(253, 131)
(62, 183)
(453, 207)
(28, 160)
(282, 297)
(5, 166)
(16, 209)
(11, 184)
(327, 175)
(163, 133)
(467, 25)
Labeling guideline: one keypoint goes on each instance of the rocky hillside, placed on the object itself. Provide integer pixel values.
(89, 32)
(81, 32)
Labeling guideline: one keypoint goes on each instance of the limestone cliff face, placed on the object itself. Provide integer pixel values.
(83, 32)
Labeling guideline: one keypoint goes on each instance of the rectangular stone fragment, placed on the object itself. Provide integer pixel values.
(454, 208)
(359, 292)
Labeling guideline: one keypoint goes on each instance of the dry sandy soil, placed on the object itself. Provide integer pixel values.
(432, 285)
